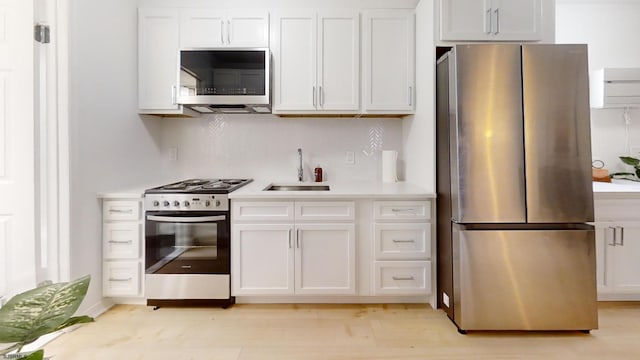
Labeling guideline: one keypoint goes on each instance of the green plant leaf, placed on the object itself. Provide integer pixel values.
(36, 355)
(630, 161)
(74, 321)
(40, 311)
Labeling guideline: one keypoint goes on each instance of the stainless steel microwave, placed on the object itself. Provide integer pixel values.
(228, 80)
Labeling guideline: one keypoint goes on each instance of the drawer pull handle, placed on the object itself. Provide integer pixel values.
(186, 266)
(120, 211)
(120, 280)
(405, 210)
(403, 241)
(402, 277)
(120, 241)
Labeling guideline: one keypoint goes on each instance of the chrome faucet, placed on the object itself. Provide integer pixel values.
(300, 167)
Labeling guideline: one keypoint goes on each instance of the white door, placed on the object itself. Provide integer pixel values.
(625, 263)
(338, 61)
(325, 259)
(465, 19)
(247, 28)
(202, 28)
(158, 44)
(262, 259)
(17, 210)
(389, 61)
(293, 44)
(517, 19)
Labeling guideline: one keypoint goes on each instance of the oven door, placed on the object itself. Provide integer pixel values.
(187, 242)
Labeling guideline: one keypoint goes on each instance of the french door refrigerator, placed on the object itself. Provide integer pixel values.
(514, 188)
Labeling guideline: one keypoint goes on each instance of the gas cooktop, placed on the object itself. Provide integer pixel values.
(200, 186)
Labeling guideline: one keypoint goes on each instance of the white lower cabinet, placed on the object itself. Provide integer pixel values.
(402, 248)
(293, 258)
(325, 259)
(618, 265)
(122, 243)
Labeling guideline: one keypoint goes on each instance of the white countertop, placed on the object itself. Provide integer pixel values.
(399, 190)
(617, 188)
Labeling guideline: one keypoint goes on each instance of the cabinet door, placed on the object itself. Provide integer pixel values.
(202, 28)
(248, 28)
(338, 61)
(389, 61)
(158, 45)
(517, 19)
(491, 20)
(465, 19)
(262, 259)
(294, 56)
(325, 259)
(624, 262)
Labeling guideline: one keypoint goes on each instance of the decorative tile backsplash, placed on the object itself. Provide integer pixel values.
(265, 146)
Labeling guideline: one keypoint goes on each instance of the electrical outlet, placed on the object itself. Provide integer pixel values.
(173, 153)
(350, 159)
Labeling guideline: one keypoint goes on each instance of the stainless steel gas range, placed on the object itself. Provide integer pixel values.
(187, 243)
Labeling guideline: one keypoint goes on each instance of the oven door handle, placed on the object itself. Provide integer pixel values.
(178, 219)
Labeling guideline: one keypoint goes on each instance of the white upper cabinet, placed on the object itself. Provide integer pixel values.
(491, 20)
(158, 44)
(389, 62)
(209, 28)
(316, 61)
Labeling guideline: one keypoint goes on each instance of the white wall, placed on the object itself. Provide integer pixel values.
(610, 28)
(265, 146)
(419, 130)
(109, 144)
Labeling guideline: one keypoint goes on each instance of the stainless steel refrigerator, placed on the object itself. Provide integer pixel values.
(514, 188)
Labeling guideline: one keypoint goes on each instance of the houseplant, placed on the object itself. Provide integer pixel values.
(629, 175)
(40, 311)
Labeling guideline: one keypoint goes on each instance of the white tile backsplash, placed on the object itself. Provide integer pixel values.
(265, 146)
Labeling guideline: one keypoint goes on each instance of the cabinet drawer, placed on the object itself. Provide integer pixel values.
(262, 211)
(394, 210)
(121, 278)
(402, 277)
(121, 240)
(120, 210)
(321, 210)
(408, 241)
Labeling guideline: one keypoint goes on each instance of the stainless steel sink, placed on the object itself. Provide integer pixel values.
(274, 187)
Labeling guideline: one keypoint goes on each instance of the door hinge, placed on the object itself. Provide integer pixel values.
(41, 33)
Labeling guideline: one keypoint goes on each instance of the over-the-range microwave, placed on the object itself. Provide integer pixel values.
(225, 80)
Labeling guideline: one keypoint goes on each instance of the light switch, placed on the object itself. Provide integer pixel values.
(350, 158)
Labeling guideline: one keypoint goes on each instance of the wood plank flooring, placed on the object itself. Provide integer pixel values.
(330, 331)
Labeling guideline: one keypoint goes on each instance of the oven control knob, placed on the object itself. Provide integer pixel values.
(217, 203)
(207, 203)
(186, 204)
(156, 203)
(176, 203)
(166, 203)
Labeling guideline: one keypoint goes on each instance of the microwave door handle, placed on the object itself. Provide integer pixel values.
(228, 32)
(222, 32)
(178, 219)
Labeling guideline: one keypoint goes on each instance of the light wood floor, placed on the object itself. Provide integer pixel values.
(287, 332)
